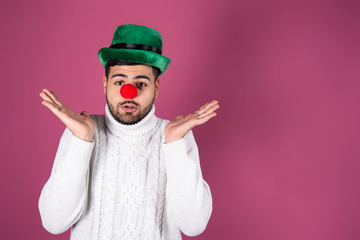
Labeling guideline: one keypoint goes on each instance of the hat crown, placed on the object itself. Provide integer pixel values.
(137, 34)
(136, 43)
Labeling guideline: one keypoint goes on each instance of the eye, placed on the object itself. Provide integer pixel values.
(119, 83)
(141, 85)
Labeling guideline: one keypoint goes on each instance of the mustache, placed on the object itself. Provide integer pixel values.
(131, 102)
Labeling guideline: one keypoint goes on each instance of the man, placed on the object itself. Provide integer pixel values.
(127, 174)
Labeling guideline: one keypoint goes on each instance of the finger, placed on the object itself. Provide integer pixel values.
(85, 113)
(49, 94)
(57, 100)
(52, 106)
(205, 119)
(179, 117)
(57, 111)
(178, 120)
(207, 106)
(175, 122)
(202, 107)
(46, 97)
(52, 95)
(192, 116)
(209, 110)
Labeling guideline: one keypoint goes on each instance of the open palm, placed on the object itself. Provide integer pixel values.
(81, 125)
(178, 128)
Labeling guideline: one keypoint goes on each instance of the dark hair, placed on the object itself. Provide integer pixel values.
(110, 63)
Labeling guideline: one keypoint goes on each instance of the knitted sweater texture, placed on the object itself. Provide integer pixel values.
(127, 184)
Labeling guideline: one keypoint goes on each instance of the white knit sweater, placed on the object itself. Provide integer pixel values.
(126, 184)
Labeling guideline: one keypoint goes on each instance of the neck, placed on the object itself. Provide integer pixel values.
(142, 128)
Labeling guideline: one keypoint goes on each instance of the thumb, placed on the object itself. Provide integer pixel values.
(85, 113)
(179, 117)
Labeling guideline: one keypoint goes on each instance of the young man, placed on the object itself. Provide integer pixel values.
(127, 174)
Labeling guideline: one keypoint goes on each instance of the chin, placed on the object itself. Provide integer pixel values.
(129, 121)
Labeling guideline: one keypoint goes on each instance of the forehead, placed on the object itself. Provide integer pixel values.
(132, 70)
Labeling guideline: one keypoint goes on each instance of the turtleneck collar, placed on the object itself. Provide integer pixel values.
(145, 126)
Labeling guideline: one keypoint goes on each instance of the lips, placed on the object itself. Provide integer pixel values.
(128, 107)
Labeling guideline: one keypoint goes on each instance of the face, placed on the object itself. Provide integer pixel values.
(130, 111)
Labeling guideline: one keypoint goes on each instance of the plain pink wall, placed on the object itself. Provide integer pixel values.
(281, 157)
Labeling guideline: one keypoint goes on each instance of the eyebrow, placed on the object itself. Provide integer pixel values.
(125, 76)
(142, 76)
(118, 75)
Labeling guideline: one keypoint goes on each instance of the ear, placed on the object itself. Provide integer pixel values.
(157, 87)
(105, 83)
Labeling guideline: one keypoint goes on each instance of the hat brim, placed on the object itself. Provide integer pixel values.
(134, 55)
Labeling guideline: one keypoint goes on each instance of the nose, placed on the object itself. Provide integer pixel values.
(128, 91)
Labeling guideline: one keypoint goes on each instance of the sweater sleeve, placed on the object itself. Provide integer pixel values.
(188, 195)
(63, 197)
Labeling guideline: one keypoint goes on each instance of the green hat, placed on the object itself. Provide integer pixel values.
(136, 43)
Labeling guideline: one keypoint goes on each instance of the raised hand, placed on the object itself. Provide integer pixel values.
(178, 128)
(81, 125)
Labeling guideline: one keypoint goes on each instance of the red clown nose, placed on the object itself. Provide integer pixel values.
(128, 91)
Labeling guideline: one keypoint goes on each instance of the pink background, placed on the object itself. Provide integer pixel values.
(281, 157)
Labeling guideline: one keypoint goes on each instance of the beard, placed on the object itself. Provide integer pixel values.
(129, 118)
